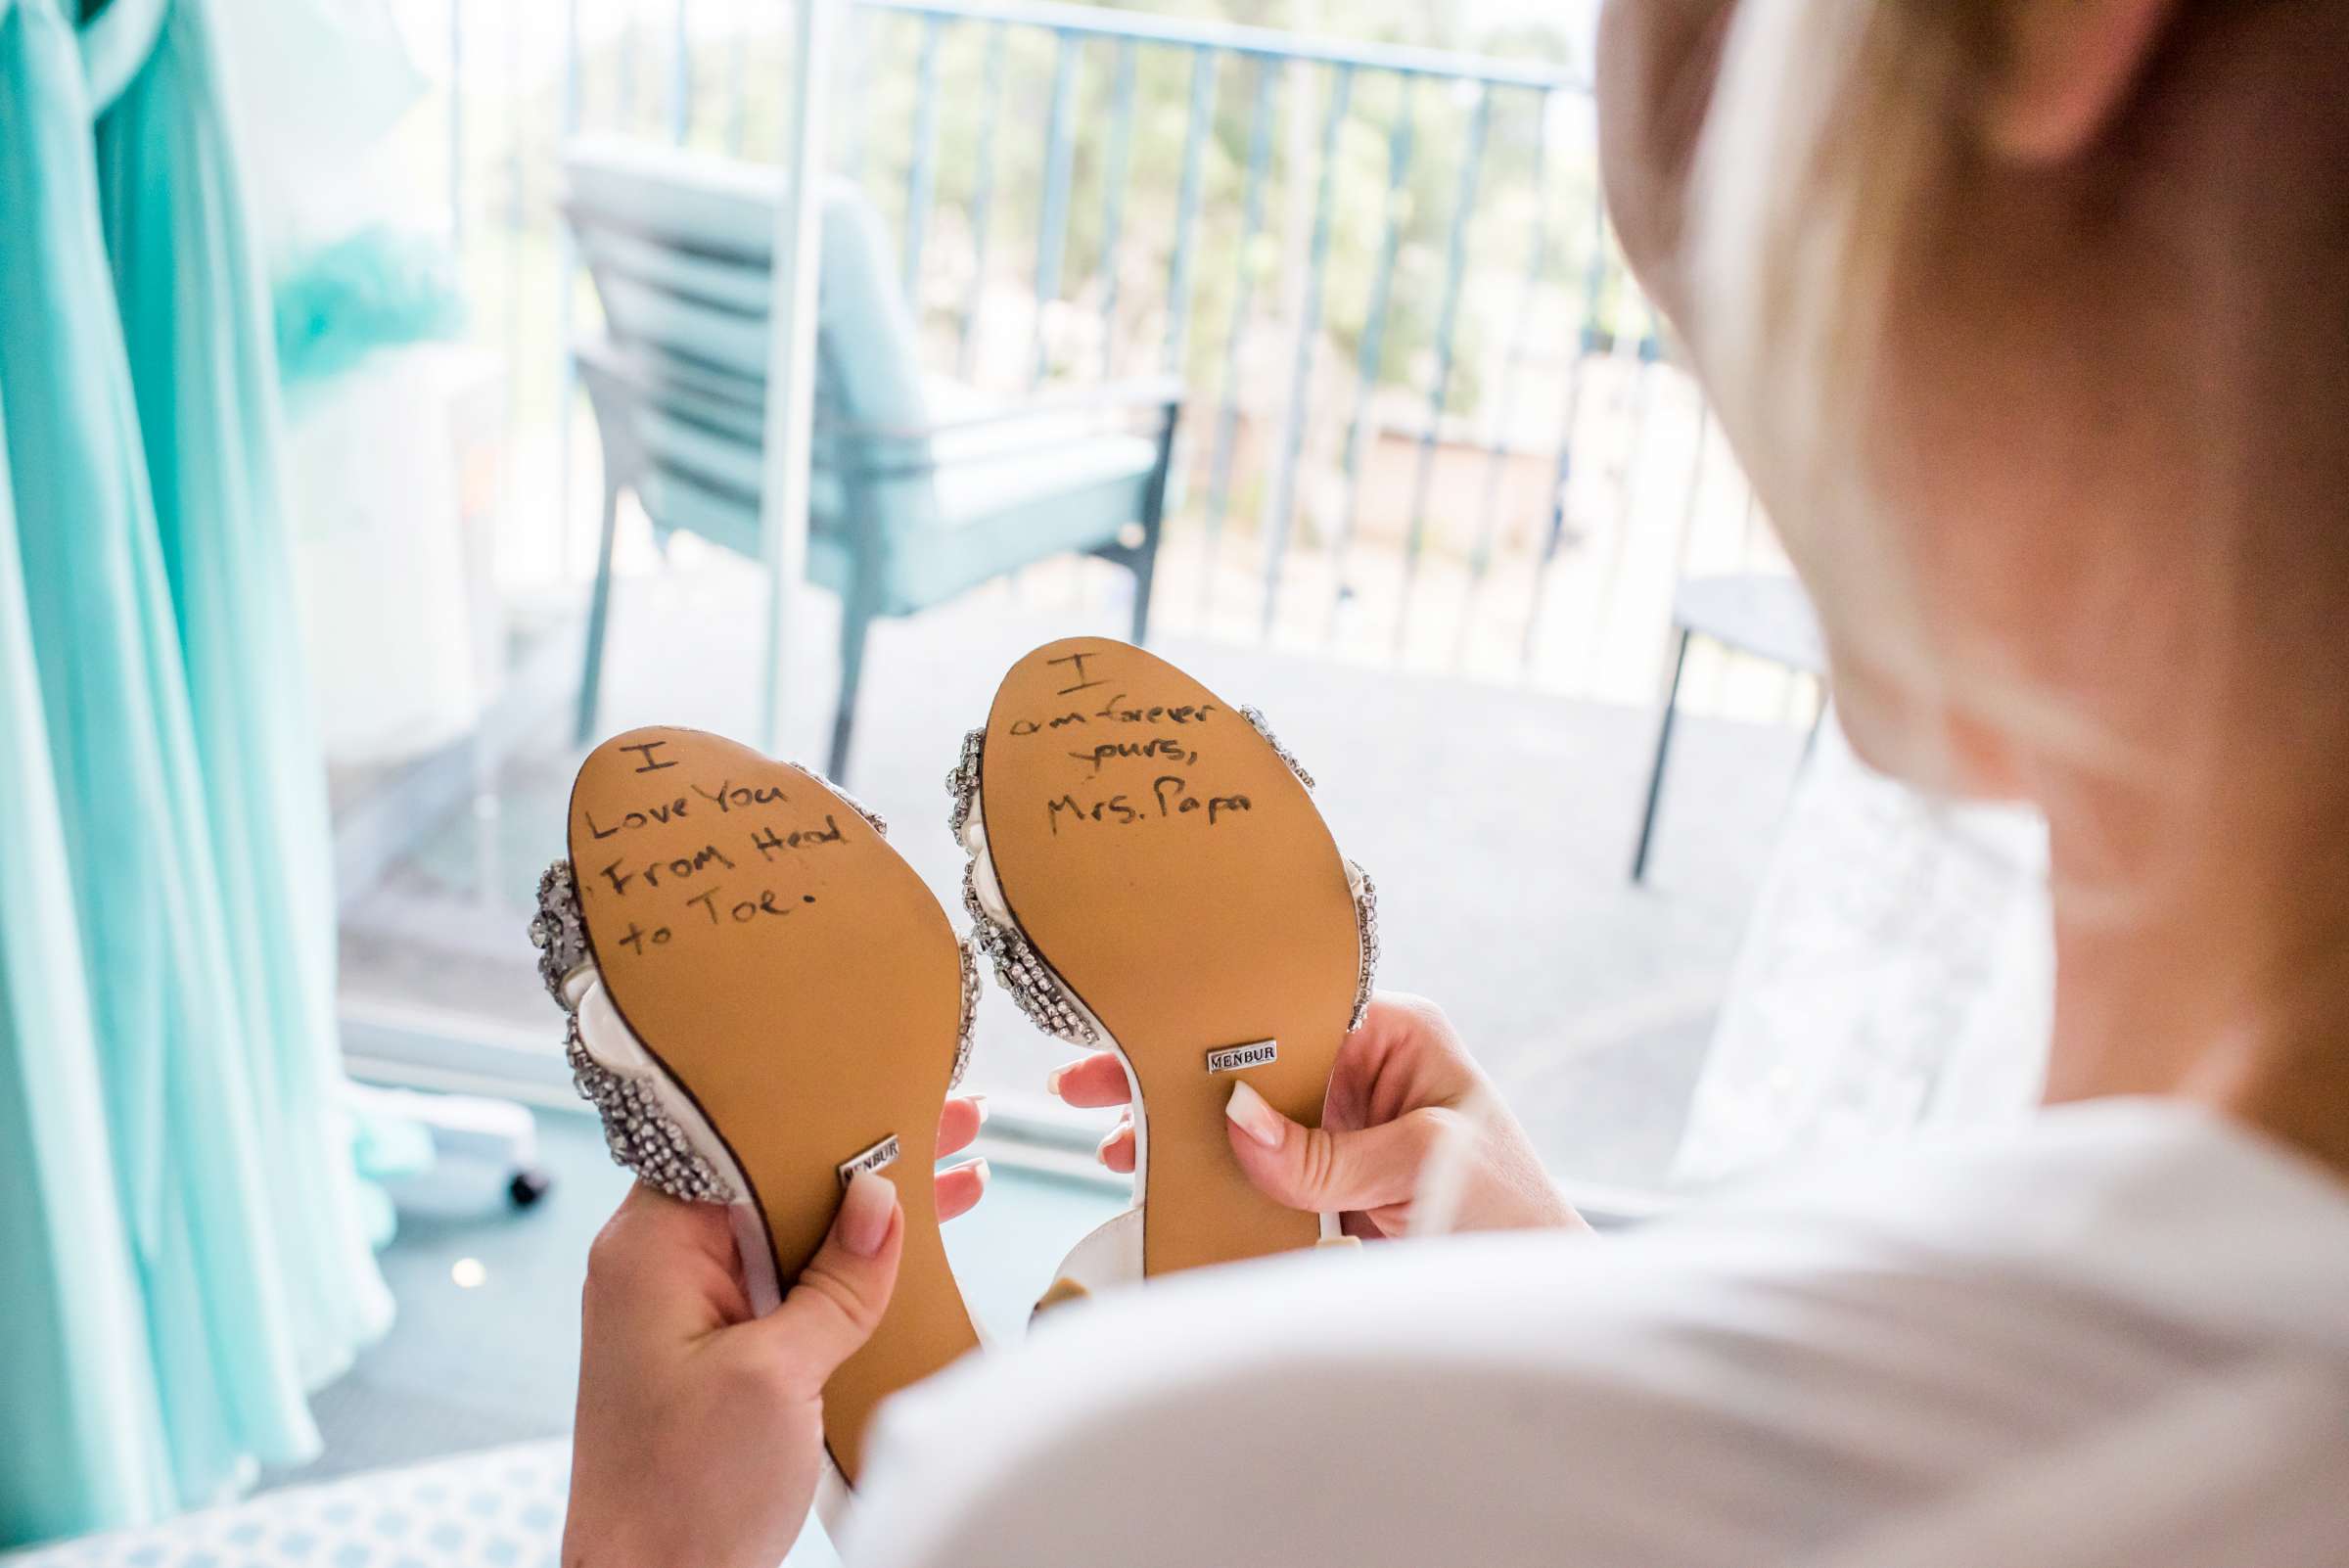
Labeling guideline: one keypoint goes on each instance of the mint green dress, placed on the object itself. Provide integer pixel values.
(181, 1258)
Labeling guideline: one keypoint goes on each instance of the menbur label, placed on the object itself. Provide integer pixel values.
(1232, 1058)
(880, 1154)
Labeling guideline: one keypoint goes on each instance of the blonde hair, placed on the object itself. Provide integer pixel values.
(1832, 121)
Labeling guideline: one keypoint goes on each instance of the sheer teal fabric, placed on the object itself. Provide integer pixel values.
(200, 328)
(182, 1258)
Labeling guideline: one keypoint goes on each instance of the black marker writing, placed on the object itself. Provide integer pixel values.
(769, 844)
(1079, 660)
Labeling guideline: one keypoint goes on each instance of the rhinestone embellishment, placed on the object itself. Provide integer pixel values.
(874, 819)
(1034, 987)
(969, 1031)
(1365, 926)
(1022, 972)
(641, 1138)
(962, 783)
(1255, 717)
(556, 930)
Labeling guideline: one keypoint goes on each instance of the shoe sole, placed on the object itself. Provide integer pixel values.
(1165, 862)
(798, 983)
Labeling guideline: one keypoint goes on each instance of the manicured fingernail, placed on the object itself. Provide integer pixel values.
(1253, 1115)
(1053, 1078)
(978, 1104)
(982, 1171)
(864, 1214)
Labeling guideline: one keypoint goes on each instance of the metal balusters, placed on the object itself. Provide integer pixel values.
(1497, 461)
(1696, 490)
(1309, 327)
(1447, 319)
(855, 65)
(1186, 208)
(1595, 281)
(1251, 218)
(517, 178)
(680, 76)
(488, 660)
(1119, 21)
(1374, 327)
(1052, 221)
(983, 192)
(1114, 176)
(788, 418)
(921, 179)
(1644, 354)
(510, 89)
(1721, 666)
(625, 89)
(1264, 350)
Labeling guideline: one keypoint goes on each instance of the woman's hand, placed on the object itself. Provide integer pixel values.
(700, 1433)
(1404, 1091)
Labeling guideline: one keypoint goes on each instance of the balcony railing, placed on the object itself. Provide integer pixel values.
(1432, 422)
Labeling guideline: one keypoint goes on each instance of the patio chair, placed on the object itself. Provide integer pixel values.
(1750, 612)
(920, 489)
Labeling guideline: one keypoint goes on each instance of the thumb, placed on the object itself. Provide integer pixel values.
(840, 1296)
(1330, 1171)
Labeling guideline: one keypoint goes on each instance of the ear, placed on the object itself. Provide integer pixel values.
(2068, 66)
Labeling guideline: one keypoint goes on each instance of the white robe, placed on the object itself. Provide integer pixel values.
(2116, 1335)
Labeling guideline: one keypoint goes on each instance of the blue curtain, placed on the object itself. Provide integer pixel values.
(182, 1257)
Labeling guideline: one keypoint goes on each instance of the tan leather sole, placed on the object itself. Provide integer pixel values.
(798, 979)
(1165, 861)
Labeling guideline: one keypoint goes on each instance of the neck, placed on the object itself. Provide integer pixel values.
(2217, 973)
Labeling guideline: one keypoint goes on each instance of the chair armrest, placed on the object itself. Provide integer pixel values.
(1147, 392)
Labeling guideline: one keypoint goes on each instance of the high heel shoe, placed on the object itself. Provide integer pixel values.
(1148, 875)
(764, 997)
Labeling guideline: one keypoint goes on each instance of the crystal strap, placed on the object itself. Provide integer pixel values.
(1365, 928)
(557, 930)
(969, 1030)
(641, 1136)
(1255, 717)
(1021, 972)
(873, 818)
(962, 782)
(1019, 968)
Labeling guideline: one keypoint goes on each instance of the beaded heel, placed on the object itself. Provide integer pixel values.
(761, 998)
